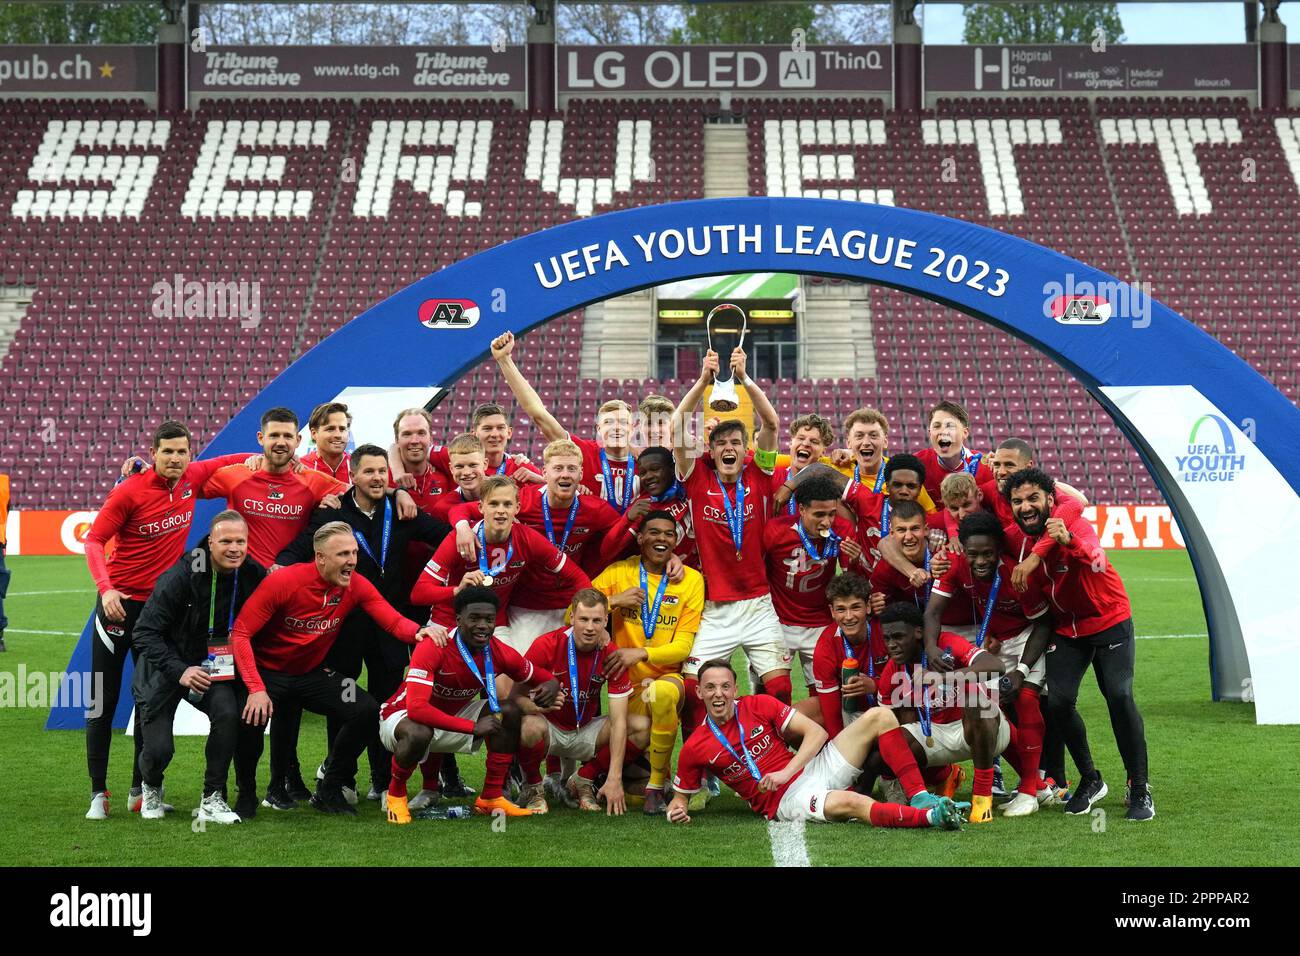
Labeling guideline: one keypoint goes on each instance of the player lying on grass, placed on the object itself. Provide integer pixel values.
(746, 741)
(439, 709)
(574, 728)
(949, 717)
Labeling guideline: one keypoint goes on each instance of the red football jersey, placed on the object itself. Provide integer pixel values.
(869, 507)
(293, 618)
(441, 460)
(621, 470)
(151, 521)
(447, 567)
(593, 520)
(797, 581)
(764, 719)
(439, 682)
(342, 472)
(726, 577)
(897, 687)
(1068, 508)
(828, 661)
(1013, 609)
(431, 485)
(936, 471)
(277, 507)
(887, 580)
(551, 652)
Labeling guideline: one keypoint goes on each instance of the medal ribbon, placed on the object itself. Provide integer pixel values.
(744, 756)
(487, 678)
(212, 604)
(550, 528)
(650, 612)
(988, 611)
(609, 484)
(383, 539)
(573, 679)
(735, 512)
(832, 544)
(482, 554)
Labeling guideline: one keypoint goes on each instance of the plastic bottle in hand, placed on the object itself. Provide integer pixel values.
(194, 696)
(849, 670)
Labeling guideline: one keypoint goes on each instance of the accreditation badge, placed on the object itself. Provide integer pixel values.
(221, 662)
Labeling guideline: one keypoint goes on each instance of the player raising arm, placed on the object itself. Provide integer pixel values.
(747, 741)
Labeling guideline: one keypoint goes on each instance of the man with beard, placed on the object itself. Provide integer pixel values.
(329, 425)
(1094, 627)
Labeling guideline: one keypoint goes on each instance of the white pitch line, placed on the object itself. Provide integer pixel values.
(13, 594)
(19, 630)
(788, 848)
(1169, 637)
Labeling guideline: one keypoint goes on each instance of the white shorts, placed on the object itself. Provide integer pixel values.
(1011, 650)
(577, 744)
(444, 741)
(502, 633)
(527, 625)
(751, 624)
(950, 741)
(801, 641)
(806, 798)
(968, 631)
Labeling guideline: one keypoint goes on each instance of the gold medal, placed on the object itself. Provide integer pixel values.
(487, 580)
(739, 556)
(929, 742)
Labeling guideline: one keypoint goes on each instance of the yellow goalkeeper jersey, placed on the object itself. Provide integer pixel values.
(675, 628)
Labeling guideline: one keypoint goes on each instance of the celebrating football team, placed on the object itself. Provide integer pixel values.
(580, 618)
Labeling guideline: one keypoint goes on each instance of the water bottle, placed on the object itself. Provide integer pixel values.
(849, 670)
(194, 696)
(442, 811)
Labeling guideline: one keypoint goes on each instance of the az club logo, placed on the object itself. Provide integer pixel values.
(448, 314)
(274, 495)
(1081, 310)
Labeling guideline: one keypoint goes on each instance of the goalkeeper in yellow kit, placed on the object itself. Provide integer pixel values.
(653, 625)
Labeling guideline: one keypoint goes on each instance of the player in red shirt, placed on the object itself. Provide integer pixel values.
(800, 555)
(410, 467)
(654, 425)
(847, 636)
(1014, 625)
(1094, 627)
(949, 716)
(608, 468)
(439, 709)
(576, 729)
(275, 501)
(149, 514)
(660, 491)
(746, 741)
(506, 549)
(730, 504)
(907, 529)
(281, 639)
(949, 428)
(810, 436)
(467, 467)
(329, 425)
(576, 524)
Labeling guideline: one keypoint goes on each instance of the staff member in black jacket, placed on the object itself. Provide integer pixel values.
(382, 542)
(183, 636)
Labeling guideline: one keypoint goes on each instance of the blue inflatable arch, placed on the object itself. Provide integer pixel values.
(1157, 374)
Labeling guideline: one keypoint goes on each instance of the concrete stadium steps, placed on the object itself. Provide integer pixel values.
(14, 301)
(616, 337)
(835, 328)
(726, 160)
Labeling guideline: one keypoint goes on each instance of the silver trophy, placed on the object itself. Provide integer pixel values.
(725, 325)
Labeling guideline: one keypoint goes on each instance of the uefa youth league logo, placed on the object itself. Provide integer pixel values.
(1211, 452)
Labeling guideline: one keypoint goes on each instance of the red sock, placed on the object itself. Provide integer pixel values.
(1028, 739)
(553, 766)
(692, 707)
(779, 687)
(397, 785)
(983, 782)
(494, 781)
(600, 763)
(530, 759)
(429, 772)
(897, 815)
(935, 776)
(894, 748)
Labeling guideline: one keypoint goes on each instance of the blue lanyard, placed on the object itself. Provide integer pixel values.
(884, 518)
(650, 612)
(550, 528)
(672, 494)
(928, 584)
(573, 678)
(490, 681)
(735, 512)
(482, 555)
(501, 468)
(744, 755)
(971, 464)
(609, 483)
(212, 604)
(832, 544)
(383, 543)
(923, 712)
(988, 611)
(880, 476)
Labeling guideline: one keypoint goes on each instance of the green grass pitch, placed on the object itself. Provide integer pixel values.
(1212, 772)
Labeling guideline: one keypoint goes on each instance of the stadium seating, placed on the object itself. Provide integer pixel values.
(316, 209)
